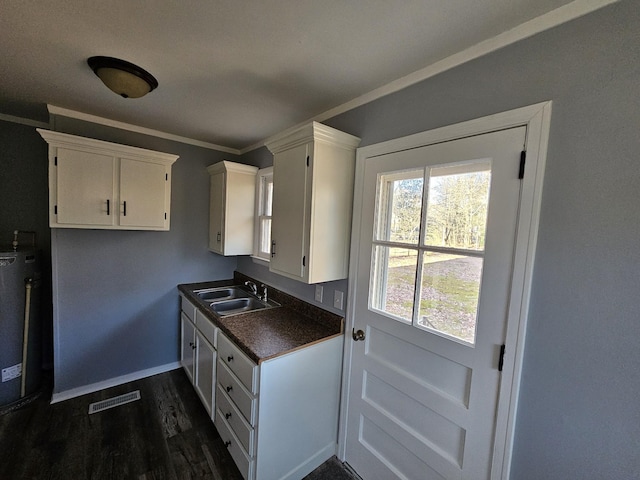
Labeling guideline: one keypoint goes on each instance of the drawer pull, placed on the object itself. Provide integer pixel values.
(227, 443)
(227, 416)
(229, 388)
(230, 358)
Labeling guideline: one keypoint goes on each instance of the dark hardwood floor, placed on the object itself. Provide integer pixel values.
(165, 435)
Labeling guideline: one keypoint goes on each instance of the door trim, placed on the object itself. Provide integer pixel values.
(537, 119)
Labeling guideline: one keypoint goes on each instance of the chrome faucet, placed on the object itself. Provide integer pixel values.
(252, 286)
(254, 289)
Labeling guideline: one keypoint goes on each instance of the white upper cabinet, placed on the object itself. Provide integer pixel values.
(232, 208)
(313, 172)
(96, 184)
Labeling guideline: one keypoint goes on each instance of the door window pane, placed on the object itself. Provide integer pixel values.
(446, 267)
(393, 281)
(449, 294)
(457, 206)
(400, 202)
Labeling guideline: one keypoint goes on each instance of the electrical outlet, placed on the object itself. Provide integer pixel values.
(319, 290)
(338, 299)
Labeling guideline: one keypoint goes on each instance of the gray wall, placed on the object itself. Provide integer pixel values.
(117, 303)
(579, 416)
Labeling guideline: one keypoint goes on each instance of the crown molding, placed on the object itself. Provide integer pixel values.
(64, 140)
(312, 131)
(564, 14)
(63, 112)
(23, 121)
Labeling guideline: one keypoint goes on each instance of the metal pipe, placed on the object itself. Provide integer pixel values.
(25, 336)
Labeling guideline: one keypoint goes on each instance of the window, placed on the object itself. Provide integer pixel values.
(428, 247)
(264, 204)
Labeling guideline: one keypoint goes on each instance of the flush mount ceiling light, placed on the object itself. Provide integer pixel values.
(124, 78)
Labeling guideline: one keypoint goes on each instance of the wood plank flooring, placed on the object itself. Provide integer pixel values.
(165, 435)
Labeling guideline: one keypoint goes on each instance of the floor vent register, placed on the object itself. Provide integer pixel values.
(114, 402)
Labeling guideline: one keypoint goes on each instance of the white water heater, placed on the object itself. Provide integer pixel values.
(20, 350)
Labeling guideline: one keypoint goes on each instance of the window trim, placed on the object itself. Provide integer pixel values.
(262, 177)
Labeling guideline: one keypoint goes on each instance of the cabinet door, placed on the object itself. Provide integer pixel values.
(205, 372)
(216, 213)
(143, 188)
(85, 188)
(289, 223)
(187, 350)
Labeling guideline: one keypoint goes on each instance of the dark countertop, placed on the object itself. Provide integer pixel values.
(265, 334)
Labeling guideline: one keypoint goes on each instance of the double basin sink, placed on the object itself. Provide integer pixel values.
(233, 300)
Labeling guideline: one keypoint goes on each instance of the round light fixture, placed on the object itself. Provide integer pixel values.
(122, 77)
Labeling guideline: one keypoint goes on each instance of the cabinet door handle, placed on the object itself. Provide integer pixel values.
(124, 213)
(218, 236)
(230, 358)
(108, 207)
(229, 388)
(227, 416)
(273, 249)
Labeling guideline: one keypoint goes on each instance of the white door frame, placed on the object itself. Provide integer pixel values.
(537, 119)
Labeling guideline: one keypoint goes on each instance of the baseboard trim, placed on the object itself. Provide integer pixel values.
(311, 463)
(112, 382)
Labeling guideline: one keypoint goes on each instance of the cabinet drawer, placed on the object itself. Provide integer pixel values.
(243, 399)
(188, 308)
(243, 461)
(238, 363)
(236, 421)
(207, 328)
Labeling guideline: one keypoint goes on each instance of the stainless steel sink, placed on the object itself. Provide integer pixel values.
(226, 301)
(238, 305)
(222, 293)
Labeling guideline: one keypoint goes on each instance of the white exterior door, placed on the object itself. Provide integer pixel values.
(433, 281)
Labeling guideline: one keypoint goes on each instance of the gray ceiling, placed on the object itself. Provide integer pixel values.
(233, 73)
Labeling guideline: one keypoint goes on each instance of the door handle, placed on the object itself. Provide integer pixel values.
(357, 335)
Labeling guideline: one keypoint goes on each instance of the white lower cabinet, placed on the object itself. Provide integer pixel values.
(279, 419)
(198, 352)
(205, 380)
(188, 345)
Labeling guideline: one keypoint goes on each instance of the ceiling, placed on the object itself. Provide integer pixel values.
(234, 72)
